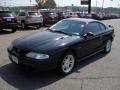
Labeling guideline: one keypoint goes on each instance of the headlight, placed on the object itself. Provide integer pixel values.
(37, 55)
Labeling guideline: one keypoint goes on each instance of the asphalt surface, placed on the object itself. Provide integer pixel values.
(99, 72)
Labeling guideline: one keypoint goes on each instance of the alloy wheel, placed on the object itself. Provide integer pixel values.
(68, 63)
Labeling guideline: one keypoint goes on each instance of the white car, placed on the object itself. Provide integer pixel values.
(32, 18)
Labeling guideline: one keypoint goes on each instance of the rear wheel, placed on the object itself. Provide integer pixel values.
(108, 46)
(38, 26)
(44, 24)
(23, 25)
(0, 29)
(14, 30)
(67, 63)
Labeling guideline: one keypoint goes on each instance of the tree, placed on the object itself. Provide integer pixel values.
(46, 3)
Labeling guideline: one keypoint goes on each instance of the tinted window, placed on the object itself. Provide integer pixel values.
(69, 26)
(22, 14)
(102, 27)
(33, 13)
(6, 14)
(92, 27)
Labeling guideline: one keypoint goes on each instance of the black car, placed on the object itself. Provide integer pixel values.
(49, 17)
(63, 45)
(8, 20)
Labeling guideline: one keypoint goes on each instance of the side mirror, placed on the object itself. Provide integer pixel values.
(89, 34)
(110, 26)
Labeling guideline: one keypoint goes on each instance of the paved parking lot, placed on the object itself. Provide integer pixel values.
(100, 72)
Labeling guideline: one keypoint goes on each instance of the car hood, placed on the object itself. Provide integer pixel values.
(43, 41)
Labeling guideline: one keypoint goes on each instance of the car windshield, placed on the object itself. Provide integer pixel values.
(69, 27)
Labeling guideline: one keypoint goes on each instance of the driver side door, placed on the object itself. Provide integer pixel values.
(91, 43)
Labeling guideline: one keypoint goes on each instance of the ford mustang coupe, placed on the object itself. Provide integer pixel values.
(62, 45)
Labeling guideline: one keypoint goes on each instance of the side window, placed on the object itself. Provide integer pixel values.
(92, 27)
(22, 14)
(102, 27)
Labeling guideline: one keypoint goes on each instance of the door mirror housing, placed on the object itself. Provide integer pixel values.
(110, 26)
(89, 34)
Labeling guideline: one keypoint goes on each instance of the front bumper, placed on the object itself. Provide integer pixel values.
(42, 65)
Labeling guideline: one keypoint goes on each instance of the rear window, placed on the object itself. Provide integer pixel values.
(33, 13)
(6, 14)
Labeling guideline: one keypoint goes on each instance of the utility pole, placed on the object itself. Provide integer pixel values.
(103, 5)
(87, 2)
(89, 7)
(96, 3)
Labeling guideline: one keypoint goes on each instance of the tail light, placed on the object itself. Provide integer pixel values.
(1, 18)
(29, 17)
(45, 17)
(15, 18)
(41, 16)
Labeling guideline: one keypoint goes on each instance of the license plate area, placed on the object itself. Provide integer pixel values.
(8, 19)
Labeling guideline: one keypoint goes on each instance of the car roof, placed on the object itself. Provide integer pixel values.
(82, 20)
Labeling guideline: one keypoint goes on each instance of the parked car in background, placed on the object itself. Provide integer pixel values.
(62, 15)
(49, 17)
(66, 15)
(98, 16)
(30, 18)
(73, 14)
(84, 15)
(62, 45)
(8, 20)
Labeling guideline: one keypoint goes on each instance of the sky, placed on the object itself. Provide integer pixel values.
(107, 3)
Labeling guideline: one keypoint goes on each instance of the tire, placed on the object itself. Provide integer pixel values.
(0, 29)
(108, 46)
(66, 63)
(23, 25)
(38, 26)
(14, 30)
(44, 24)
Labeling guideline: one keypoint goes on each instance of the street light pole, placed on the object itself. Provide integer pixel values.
(89, 7)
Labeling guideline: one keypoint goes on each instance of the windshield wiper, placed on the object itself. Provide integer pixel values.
(58, 31)
(61, 32)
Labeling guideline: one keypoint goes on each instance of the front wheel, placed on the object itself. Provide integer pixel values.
(108, 46)
(67, 63)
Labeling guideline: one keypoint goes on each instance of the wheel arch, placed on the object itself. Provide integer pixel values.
(72, 51)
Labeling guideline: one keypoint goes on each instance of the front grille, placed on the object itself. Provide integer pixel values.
(19, 51)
